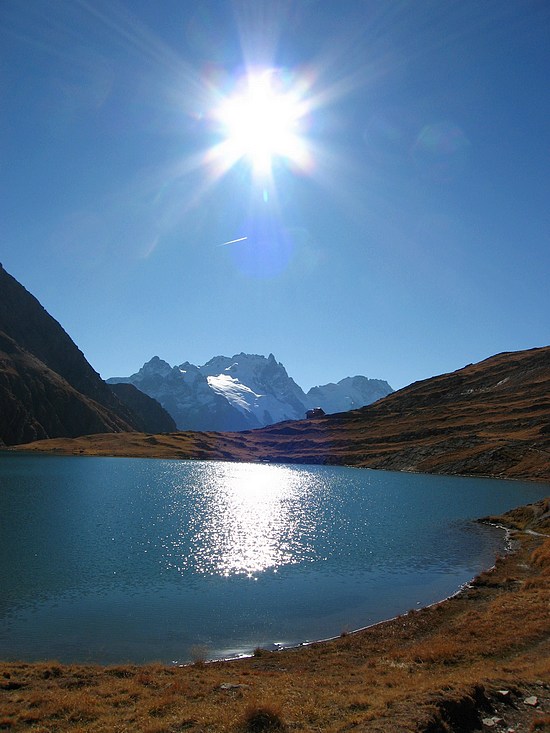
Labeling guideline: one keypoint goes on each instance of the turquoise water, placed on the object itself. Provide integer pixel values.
(113, 559)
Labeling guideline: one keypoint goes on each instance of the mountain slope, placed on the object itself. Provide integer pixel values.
(186, 395)
(24, 320)
(37, 403)
(487, 419)
(243, 391)
(47, 388)
(490, 418)
(149, 416)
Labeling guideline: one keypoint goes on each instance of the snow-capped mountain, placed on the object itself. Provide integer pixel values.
(348, 394)
(186, 395)
(243, 391)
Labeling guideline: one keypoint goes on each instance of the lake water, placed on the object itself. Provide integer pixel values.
(113, 559)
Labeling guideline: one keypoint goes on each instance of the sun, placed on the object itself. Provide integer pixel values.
(263, 121)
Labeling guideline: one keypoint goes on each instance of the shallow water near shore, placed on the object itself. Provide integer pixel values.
(111, 560)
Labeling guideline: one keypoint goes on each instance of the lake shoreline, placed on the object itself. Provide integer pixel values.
(406, 432)
(364, 549)
(463, 588)
(119, 445)
(405, 673)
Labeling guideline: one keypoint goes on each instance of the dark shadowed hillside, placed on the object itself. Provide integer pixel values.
(47, 388)
(491, 419)
(150, 416)
(32, 328)
(36, 403)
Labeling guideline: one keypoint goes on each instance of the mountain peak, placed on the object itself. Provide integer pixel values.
(156, 364)
(244, 391)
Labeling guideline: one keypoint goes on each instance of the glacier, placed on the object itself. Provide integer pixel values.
(243, 392)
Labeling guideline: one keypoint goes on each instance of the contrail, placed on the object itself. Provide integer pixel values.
(232, 241)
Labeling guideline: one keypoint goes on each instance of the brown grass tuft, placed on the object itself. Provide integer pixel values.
(258, 718)
(199, 654)
(540, 725)
(541, 556)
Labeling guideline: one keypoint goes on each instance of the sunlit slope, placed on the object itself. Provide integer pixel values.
(490, 418)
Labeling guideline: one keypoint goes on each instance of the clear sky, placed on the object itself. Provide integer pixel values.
(397, 226)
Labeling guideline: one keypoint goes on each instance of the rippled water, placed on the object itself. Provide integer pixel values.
(112, 559)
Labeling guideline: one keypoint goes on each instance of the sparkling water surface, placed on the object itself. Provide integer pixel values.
(119, 559)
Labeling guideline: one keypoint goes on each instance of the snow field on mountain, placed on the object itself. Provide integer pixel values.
(244, 391)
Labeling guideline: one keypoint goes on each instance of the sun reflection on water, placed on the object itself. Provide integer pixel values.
(243, 519)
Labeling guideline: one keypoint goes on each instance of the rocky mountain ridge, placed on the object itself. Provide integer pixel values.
(244, 391)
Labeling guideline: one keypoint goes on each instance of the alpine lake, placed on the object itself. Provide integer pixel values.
(112, 560)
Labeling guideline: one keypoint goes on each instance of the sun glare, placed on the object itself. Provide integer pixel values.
(262, 121)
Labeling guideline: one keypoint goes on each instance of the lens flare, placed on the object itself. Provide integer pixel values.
(263, 120)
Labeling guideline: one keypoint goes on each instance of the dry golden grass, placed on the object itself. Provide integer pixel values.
(541, 556)
(431, 671)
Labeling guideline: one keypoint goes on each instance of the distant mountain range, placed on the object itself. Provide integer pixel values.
(487, 419)
(243, 391)
(48, 389)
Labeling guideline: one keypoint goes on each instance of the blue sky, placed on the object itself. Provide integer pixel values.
(412, 239)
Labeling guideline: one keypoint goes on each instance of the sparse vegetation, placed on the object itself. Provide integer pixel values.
(541, 556)
(199, 654)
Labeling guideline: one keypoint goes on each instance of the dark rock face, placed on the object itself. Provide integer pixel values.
(47, 388)
(152, 417)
